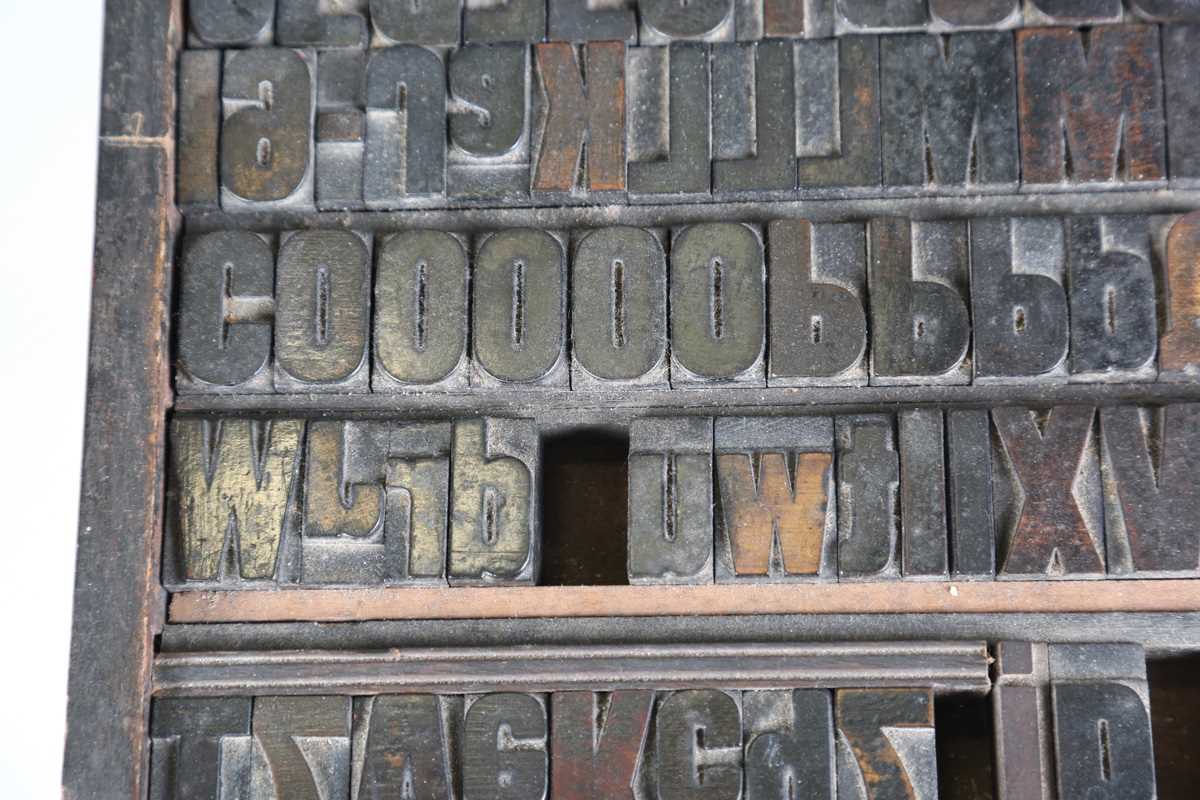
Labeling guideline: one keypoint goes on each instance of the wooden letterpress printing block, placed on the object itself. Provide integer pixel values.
(506, 21)
(778, 510)
(816, 282)
(404, 749)
(1179, 43)
(917, 274)
(597, 743)
(1018, 304)
(1166, 11)
(886, 747)
(868, 487)
(576, 113)
(978, 14)
(197, 182)
(619, 309)
(1071, 131)
(969, 467)
(949, 118)
(322, 312)
(1023, 736)
(923, 537)
(869, 16)
(1049, 461)
(341, 123)
(495, 536)
(429, 22)
(664, 21)
(581, 21)
(266, 136)
(489, 121)
(317, 770)
(313, 23)
(504, 748)
(1075, 13)
(518, 310)
(405, 158)
(1180, 345)
(789, 740)
(219, 23)
(420, 330)
(680, 169)
(718, 306)
(189, 736)
(232, 490)
(1151, 457)
(670, 500)
(225, 314)
(698, 746)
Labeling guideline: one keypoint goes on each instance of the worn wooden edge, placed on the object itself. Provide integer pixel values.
(945, 666)
(550, 602)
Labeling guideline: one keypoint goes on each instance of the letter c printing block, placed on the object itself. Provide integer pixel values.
(504, 748)
(698, 746)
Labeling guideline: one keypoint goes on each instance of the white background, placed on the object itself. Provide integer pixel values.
(50, 77)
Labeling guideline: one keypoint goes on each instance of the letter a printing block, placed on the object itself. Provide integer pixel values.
(698, 746)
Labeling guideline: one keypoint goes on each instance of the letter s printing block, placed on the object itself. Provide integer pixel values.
(504, 748)
(597, 743)
(376, 501)
(192, 739)
(495, 531)
(429, 22)
(619, 309)
(1047, 493)
(420, 339)
(489, 121)
(816, 282)
(917, 276)
(698, 746)
(225, 316)
(923, 536)
(1102, 735)
(1022, 734)
(777, 515)
(1180, 357)
(221, 23)
(868, 493)
(283, 767)
(718, 306)
(268, 96)
(233, 499)
(404, 748)
(1151, 460)
(670, 500)
(518, 310)
(886, 744)
(322, 312)
(789, 742)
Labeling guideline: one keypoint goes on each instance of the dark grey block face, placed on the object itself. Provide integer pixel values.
(868, 496)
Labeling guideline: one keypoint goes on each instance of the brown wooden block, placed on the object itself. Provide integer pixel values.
(597, 742)
(670, 143)
(1047, 493)
(698, 746)
(197, 182)
(777, 512)
(488, 154)
(232, 487)
(671, 500)
(1179, 358)
(1069, 95)
(189, 743)
(137, 85)
(317, 771)
(886, 744)
(1023, 736)
(790, 747)
(495, 535)
(868, 494)
(404, 750)
(924, 540)
(504, 748)
(322, 312)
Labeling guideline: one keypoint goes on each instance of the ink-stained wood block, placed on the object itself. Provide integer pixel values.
(420, 325)
(340, 129)
(322, 312)
(698, 746)
(232, 495)
(505, 21)
(868, 16)
(1018, 303)
(1151, 457)
(1069, 96)
(313, 23)
(1165, 11)
(924, 537)
(868, 494)
(495, 532)
(917, 274)
(956, 15)
(1114, 321)
(518, 310)
(376, 502)
(619, 309)
(790, 746)
(777, 516)
(886, 744)
(197, 180)
(1179, 43)
(816, 285)
(669, 135)
(948, 112)
(220, 23)
(489, 108)
(582, 21)
(664, 22)
(504, 748)
(268, 97)
(226, 309)
(189, 737)
(1075, 13)
(1179, 357)
(404, 749)
(303, 749)
(1022, 728)
(1047, 493)
(137, 84)
(597, 742)
(718, 306)
(429, 23)
(969, 498)
(671, 500)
